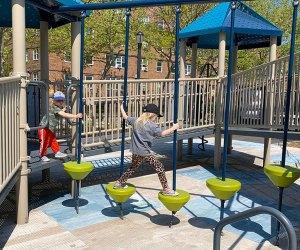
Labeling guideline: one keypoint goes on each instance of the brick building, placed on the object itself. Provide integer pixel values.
(60, 67)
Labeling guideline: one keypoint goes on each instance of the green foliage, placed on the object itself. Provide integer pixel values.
(278, 12)
(5, 52)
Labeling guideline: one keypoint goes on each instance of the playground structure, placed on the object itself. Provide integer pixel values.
(265, 88)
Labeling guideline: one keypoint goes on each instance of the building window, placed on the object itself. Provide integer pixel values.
(188, 69)
(90, 32)
(145, 45)
(120, 62)
(89, 77)
(144, 65)
(145, 19)
(26, 56)
(67, 76)
(35, 76)
(35, 54)
(159, 66)
(89, 60)
(173, 68)
(67, 56)
(161, 25)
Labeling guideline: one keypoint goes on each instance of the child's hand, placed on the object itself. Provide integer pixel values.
(79, 115)
(122, 106)
(175, 126)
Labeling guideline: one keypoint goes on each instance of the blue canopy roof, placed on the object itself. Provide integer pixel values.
(39, 10)
(251, 29)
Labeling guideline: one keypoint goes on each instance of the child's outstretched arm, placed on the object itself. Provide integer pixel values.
(123, 113)
(170, 130)
(68, 115)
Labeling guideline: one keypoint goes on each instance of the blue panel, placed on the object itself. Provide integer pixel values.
(209, 23)
(33, 17)
(252, 30)
(246, 24)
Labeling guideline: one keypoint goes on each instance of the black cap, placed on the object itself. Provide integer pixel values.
(152, 108)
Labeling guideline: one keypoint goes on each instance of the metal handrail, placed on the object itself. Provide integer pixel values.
(46, 87)
(292, 240)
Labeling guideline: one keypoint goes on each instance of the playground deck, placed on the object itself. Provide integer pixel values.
(55, 225)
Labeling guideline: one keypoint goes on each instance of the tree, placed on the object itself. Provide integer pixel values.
(279, 13)
(5, 52)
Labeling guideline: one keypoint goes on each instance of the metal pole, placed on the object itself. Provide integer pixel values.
(80, 87)
(138, 65)
(125, 88)
(176, 94)
(227, 109)
(279, 209)
(222, 209)
(289, 86)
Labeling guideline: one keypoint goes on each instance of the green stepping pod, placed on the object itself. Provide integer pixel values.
(174, 203)
(78, 171)
(120, 195)
(223, 190)
(280, 176)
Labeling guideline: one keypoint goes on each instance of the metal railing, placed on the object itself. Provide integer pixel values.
(258, 96)
(9, 129)
(291, 235)
(102, 100)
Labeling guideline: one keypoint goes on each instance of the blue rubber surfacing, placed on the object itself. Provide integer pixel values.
(97, 207)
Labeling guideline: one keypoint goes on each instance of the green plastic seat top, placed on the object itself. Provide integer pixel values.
(78, 171)
(174, 203)
(282, 176)
(120, 195)
(223, 190)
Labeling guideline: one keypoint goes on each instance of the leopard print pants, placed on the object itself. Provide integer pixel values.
(137, 160)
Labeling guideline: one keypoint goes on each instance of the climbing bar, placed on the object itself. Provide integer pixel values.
(176, 93)
(227, 107)
(81, 87)
(289, 83)
(125, 88)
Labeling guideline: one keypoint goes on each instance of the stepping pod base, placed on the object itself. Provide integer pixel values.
(120, 195)
(78, 172)
(223, 190)
(174, 203)
(280, 176)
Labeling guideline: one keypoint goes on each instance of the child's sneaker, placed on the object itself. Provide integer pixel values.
(169, 192)
(60, 155)
(45, 159)
(119, 185)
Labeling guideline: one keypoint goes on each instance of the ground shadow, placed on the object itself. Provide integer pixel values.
(202, 222)
(164, 219)
(7, 220)
(70, 202)
(115, 210)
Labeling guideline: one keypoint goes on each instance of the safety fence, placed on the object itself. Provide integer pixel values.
(258, 96)
(9, 129)
(102, 100)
